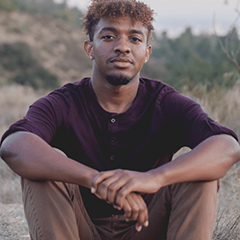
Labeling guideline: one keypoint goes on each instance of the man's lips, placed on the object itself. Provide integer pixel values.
(121, 59)
(121, 62)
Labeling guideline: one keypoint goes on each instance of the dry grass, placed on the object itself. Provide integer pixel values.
(13, 225)
(228, 215)
(15, 100)
(223, 106)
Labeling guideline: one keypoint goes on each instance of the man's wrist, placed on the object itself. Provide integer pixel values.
(158, 177)
(89, 176)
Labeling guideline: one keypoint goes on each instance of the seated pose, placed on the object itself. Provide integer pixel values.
(118, 132)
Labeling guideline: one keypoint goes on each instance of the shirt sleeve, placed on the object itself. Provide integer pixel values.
(44, 117)
(190, 124)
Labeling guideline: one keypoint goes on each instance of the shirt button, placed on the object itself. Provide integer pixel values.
(112, 157)
(113, 120)
(113, 140)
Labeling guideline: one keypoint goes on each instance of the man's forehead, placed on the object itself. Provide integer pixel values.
(121, 23)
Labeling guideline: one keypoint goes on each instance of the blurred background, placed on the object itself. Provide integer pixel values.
(195, 50)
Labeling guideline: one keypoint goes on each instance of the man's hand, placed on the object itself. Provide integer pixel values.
(136, 210)
(120, 187)
(113, 186)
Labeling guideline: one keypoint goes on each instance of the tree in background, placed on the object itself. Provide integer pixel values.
(230, 44)
(189, 60)
(185, 62)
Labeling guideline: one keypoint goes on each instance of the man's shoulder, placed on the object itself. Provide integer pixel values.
(156, 86)
(74, 86)
(65, 95)
(166, 95)
(72, 89)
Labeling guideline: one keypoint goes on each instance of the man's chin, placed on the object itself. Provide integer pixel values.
(118, 80)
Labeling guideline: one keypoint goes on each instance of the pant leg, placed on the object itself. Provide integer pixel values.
(193, 211)
(159, 211)
(183, 211)
(55, 210)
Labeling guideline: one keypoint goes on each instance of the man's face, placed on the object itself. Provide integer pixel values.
(119, 49)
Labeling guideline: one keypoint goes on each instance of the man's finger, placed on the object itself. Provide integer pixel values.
(142, 214)
(124, 191)
(127, 210)
(138, 213)
(99, 178)
(105, 190)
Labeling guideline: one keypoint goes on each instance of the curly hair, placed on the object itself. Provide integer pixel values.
(138, 11)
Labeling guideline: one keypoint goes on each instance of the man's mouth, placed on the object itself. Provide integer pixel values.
(121, 62)
(121, 59)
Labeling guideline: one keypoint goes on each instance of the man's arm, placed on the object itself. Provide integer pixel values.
(32, 158)
(208, 161)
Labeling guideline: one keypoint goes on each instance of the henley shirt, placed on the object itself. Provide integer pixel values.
(159, 122)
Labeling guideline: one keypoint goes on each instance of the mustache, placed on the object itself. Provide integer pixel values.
(119, 59)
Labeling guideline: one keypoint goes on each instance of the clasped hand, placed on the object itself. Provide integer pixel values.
(123, 189)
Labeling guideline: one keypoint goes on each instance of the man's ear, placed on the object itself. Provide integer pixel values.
(88, 46)
(148, 52)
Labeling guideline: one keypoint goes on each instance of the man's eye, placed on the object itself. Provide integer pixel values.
(136, 39)
(108, 37)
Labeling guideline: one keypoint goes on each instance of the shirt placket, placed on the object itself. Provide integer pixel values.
(113, 127)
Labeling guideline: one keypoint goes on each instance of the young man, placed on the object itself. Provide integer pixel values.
(119, 133)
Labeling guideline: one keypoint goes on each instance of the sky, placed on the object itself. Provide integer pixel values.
(174, 16)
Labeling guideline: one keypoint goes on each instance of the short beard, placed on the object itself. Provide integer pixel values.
(118, 80)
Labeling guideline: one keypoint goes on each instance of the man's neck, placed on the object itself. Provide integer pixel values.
(115, 99)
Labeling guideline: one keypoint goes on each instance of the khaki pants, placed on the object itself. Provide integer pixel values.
(55, 211)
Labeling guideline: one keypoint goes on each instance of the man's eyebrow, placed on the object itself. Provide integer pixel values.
(113, 29)
(137, 31)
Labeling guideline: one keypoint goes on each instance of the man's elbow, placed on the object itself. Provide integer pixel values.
(236, 154)
(6, 154)
(9, 155)
(233, 150)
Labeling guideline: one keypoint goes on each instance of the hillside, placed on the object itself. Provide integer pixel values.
(56, 45)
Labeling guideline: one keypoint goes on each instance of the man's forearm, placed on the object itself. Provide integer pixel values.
(30, 157)
(210, 160)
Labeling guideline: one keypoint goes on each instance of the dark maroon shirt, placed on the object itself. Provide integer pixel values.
(159, 122)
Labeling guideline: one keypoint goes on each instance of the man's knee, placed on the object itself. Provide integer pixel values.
(201, 186)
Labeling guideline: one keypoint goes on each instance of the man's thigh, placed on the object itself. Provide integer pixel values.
(182, 211)
(54, 210)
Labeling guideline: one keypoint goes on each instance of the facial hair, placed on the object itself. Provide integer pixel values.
(118, 80)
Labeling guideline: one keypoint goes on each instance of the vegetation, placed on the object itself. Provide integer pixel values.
(44, 7)
(183, 62)
(189, 60)
(17, 60)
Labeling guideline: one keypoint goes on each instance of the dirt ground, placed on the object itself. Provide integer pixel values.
(13, 225)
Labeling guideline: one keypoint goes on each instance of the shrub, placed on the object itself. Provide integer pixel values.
(16, 55)
(6, 5)
(17, 58)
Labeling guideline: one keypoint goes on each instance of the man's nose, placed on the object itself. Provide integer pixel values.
(122, 46)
